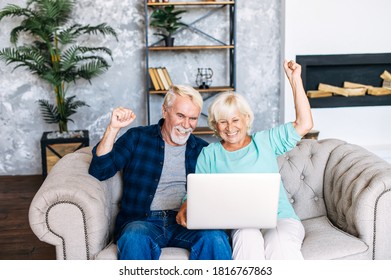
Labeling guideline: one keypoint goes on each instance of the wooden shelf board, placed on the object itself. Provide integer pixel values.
(216, 89)
(203, 131)
(209, 90)
(191, 48)
(202, 3)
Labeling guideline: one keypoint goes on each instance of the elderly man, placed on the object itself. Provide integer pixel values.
(155, 161)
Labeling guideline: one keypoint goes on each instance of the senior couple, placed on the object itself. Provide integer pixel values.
(156, 159)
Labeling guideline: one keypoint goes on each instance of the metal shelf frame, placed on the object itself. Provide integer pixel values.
(216, 44)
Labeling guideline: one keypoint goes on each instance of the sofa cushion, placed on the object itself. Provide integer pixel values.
(325, 241)
(169, 253)
(302, 171)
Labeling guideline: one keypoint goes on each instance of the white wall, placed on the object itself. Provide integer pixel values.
(315, 27)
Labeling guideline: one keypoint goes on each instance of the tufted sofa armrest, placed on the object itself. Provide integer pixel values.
(74, 211)
(357, 194)
(344, 183)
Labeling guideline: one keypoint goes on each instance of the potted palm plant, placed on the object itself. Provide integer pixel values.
(168, 21)
(53, 54)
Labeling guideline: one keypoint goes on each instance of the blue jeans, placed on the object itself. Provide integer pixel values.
(143, 240)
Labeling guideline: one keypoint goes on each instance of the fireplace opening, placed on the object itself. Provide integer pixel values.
(336, 69)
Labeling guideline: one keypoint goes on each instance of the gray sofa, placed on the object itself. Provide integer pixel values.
(339, 190)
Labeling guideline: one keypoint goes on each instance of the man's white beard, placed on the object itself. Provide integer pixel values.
(180, 140)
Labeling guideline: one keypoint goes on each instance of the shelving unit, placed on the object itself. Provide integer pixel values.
(217, 45)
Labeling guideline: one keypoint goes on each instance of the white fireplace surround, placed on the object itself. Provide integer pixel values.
(320, 27)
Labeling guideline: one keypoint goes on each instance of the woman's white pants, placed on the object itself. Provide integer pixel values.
(280, 243)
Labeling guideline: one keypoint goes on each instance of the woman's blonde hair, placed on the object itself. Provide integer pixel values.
(182, 90)
(225, 106)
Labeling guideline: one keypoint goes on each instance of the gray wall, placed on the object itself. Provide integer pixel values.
(258, 76)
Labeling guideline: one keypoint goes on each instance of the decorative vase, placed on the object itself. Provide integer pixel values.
(204, 78)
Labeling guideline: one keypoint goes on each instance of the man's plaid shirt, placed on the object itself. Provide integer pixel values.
(139, 153)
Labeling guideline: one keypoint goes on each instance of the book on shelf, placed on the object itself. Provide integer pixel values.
(163, 78)
(160, 78)
(154, 81)
(168, 78)
(161, 86)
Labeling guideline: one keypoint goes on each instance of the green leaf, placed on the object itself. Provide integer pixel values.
(54, 54)
(49, 111)
(167, 20)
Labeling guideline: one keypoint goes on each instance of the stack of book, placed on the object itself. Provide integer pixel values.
(160, 79)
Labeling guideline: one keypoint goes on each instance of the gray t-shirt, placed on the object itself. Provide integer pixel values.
(171, 188)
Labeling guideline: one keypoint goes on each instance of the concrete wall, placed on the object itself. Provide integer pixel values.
(21, 125)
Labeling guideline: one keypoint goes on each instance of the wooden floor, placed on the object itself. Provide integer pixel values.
(17, 241)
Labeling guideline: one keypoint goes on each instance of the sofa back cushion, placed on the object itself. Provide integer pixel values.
(302, 171)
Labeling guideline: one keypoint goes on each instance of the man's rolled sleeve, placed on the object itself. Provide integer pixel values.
(102, 167)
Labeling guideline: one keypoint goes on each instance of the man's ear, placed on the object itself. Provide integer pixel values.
(164, 111)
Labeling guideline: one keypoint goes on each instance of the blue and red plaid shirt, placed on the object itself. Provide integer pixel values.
(139, 153)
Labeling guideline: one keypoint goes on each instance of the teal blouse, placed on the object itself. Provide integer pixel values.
(260, 156)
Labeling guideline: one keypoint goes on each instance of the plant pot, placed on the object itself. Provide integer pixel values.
(169, 41)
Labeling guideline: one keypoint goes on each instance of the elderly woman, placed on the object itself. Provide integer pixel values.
(231, 117)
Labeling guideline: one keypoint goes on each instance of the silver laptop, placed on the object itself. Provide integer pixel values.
(232, 201)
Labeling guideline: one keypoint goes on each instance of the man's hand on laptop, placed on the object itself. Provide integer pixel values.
(181, 216)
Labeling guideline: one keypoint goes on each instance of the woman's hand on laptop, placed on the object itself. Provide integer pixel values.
(181, 216)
